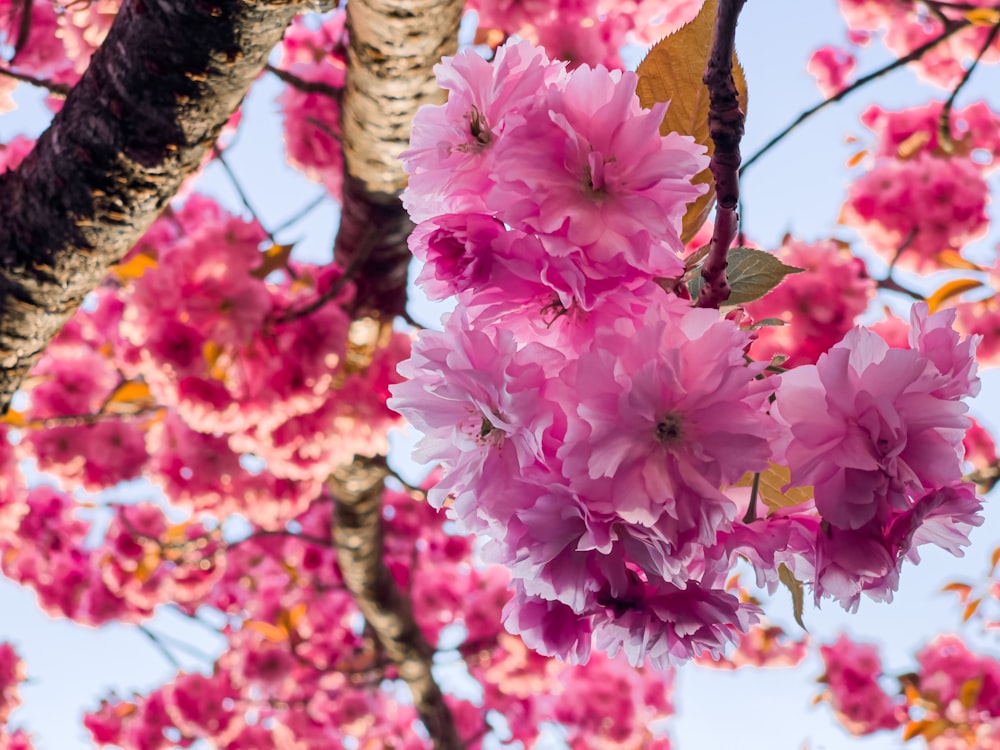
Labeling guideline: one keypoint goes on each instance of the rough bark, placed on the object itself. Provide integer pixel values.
(394, 45)
(141, 119)
(358, 536)
(725, 125)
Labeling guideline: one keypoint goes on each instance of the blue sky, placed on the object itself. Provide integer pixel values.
(798, 188)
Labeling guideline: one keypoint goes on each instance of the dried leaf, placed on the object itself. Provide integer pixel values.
(962, 589)
(857, 158)
(949, 290)
(983, 16)
(771, 488)
(133, 393)
(134, 267)
(148, 564)
(273, 633)
(796, 589)
(911, 145)
(970, 609)
(295, 615)
(952, 259)
(751, 274)
(275, 258)
(968, 694)
(672, 71)
(14, 419)
(125, 709)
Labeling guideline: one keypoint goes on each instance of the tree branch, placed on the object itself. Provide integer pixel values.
(358, 536)
(394, 45)
(56, 89)
(913, 56)
(141, 119)
(725, 125)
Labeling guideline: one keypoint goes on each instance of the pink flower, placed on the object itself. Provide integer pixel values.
(591, 166)
(551, 628)
(818, 305)
(832, 68)
(871, 426)
(457, 251)
(451, 147)
(481, 405)
(668, 413)
(852, 673)
(923, 205)
(669, 625)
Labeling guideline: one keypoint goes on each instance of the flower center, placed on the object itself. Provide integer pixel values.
(479, 130)
(669, 429)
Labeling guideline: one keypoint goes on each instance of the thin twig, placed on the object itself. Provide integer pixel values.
(56, 89)
(182, 645)
(907, 241)
(159, 645)
(337, 286)
(725, 125)
(891, 285)
(298, 216)
(916, 54)
(944, 122)
(301, 84)
(239, 190)
(264, 533)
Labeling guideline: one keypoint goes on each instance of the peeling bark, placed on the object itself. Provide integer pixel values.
(358, 536)
(141, 119)
(394, 45)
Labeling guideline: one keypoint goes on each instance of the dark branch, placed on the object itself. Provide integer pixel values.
(56, 89)
(944, 124)
(301, 84)
(141, 119)
(913, 56)
(358, 535)
(725, 125)
(394, 45)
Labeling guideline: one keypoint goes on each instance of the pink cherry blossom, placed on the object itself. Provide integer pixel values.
(590, 166)
(832, 68)
(891, 424)
(852, 672)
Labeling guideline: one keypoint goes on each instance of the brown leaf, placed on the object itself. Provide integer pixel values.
(672, 71)
(275, 258)
(770, 488)
(949, 290)
(273, 633)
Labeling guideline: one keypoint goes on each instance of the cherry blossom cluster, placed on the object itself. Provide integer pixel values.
(923, 196)
(817, 306)
(299, 670)
(905, 25)
(12, 673)
(951, 700)
(583, 32)
(590, 429)
(877, 433)
(312, 117)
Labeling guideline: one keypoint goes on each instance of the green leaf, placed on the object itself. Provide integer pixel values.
(796, 589)
(751, 273)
